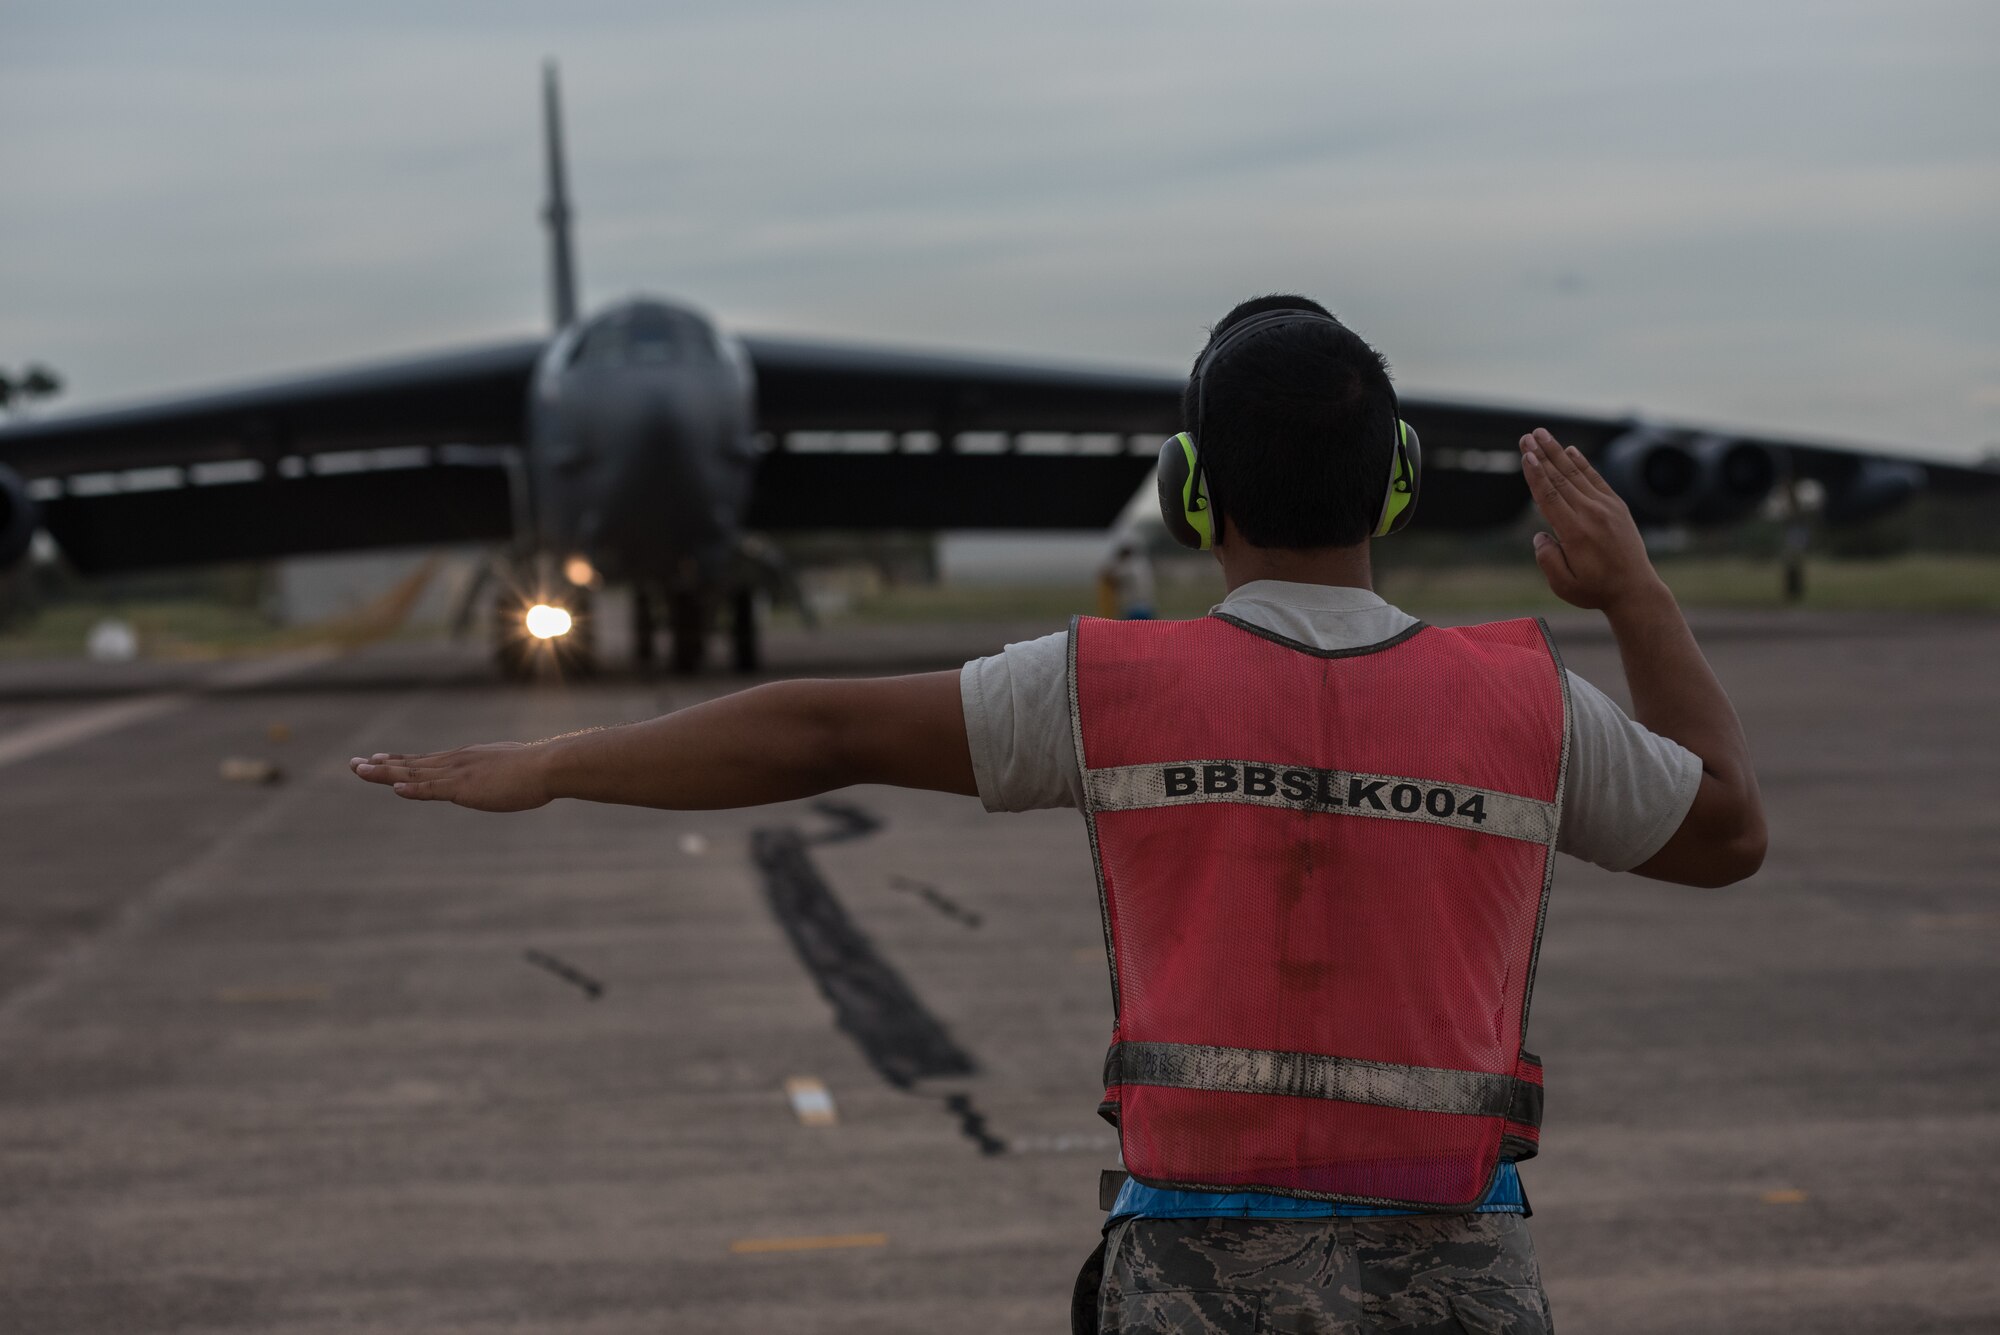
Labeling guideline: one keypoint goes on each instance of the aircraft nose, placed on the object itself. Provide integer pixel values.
(665, 496)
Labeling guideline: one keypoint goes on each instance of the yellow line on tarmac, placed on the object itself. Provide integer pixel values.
(743, 1246)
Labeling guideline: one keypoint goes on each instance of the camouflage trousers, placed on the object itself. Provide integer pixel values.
(1416, 1275)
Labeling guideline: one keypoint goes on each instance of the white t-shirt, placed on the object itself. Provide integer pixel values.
(1628, 787)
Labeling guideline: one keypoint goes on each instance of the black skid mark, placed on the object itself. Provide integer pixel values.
(937, 899)
(972, 1124)
(849, 822)
(569, 973)
(871, 1002)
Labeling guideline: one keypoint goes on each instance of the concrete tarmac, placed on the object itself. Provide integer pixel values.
(277, 1058)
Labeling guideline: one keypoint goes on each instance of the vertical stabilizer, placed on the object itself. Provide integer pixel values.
(555, 213)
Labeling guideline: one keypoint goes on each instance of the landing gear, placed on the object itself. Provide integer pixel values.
(576, 652)
(645, 634)
(511, 640)
(687, 623)
(746, 653)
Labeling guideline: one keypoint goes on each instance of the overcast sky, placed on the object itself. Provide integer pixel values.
(1781, 214)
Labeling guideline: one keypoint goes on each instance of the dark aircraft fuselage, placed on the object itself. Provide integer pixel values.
(641, 443)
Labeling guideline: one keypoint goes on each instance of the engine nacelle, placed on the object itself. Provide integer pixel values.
(1670, 479)
(1736, 476)
(19, 517)
(1658, 477)
(1873, 489)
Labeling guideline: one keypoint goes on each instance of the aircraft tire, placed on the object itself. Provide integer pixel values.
(512, 660)
(645, 634)
(745, 644)
(576, 652)
(688, 625)
(510, 642)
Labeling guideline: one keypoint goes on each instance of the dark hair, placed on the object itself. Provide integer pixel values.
(1297, 430)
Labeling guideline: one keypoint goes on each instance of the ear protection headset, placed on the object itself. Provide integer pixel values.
(1184, 500)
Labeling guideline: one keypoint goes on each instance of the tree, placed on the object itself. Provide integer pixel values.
(35, 382)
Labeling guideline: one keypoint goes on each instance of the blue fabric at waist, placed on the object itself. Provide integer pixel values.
(1136, 1198)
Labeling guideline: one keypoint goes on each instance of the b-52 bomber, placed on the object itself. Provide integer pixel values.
(644, 445)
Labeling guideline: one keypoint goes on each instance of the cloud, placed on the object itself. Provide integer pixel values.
(1783, 211)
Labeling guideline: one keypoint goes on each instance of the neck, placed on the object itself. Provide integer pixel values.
(1344, 567)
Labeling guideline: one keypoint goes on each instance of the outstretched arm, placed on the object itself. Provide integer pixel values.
(767, 744)
(1594, 558)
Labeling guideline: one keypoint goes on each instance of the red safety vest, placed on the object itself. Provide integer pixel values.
(1323, 875)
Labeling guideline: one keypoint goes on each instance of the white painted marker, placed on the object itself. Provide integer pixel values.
(811, 1103)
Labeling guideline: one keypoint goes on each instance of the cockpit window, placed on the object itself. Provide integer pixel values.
(645, 336)
(657, 336)
(602, 344)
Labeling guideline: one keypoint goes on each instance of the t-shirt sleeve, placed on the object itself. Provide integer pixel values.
(1628, 788)
(1017, 721)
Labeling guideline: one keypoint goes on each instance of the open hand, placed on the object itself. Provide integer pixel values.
(1594, 556)
(499, 776)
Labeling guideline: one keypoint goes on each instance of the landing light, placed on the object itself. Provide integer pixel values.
(578, 571)
(545, 622)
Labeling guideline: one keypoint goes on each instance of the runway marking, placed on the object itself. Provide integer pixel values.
(94, 721)
(1785, 1196)
(811, 1101)
(143, 911)
(53, 734)
(1066, 1143)
(266, 996)
(745, 1246)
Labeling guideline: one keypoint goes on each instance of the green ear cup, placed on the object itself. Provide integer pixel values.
(1183, 494)
(1399, 501)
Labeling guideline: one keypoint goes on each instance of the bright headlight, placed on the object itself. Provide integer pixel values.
(545, 622)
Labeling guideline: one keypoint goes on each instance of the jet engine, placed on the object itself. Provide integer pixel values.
(18, 517)
(1873, 488)
(1669, 479)
(1659, 477)
(1736, 476)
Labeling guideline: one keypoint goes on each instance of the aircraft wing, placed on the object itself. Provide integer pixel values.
(1472, 476)
(400, 453)
(1065, 447)
(1010, 445)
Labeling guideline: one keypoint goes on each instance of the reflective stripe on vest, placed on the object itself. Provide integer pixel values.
(1322, 876)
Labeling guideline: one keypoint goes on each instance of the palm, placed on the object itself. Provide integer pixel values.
(494, 776)
(1592, 555)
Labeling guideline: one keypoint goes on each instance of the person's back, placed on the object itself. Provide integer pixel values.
(1323, 834)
